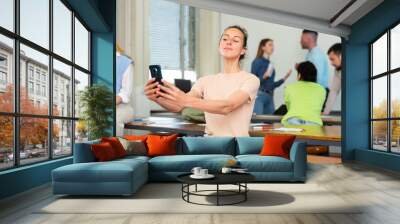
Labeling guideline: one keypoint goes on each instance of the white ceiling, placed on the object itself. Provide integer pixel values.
(305, 14)
(320, 9)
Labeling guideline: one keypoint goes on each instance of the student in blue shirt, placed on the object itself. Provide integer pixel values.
(316, 56)
(263, 68)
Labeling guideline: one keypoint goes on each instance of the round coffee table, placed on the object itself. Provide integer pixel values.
(238, 179)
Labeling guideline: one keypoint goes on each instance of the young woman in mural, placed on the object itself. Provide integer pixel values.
(227, 98)
(263, 68)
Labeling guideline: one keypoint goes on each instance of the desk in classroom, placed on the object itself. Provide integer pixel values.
(313, 135)
(167, 124)
(325, 135)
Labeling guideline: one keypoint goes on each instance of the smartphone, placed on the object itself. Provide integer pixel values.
(155, 71)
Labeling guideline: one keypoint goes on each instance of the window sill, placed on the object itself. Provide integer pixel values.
(26, 167)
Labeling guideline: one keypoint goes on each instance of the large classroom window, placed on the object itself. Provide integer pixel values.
(44, 63)
(172, 39)
(385, 92)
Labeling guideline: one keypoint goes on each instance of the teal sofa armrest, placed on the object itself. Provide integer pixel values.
(83, 153)
(298, 155)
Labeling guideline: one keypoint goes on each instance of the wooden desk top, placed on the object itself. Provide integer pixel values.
(324, 133)
(176, 125)
(326, 119)
(167, 124)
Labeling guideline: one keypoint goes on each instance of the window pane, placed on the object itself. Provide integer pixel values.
(395, 47)
(164, 34)
(35, 21)
(81, 81)
(379, 135)
(7, 14)
(170, 75)
(6, 142)
(33, 139)
(379, 97)
(62, 89)
(62, 29)
(6, 74)
(395, 94)
(81, 132)
(395, 136)
(81, 45)
(379, 55)
(190, 75)
(34, 72)
(62, 141)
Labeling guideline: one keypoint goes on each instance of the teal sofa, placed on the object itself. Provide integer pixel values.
(125, 176)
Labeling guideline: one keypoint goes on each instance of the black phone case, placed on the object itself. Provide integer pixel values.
(155, 71)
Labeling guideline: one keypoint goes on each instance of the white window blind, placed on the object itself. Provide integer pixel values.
(164, 34)
(172, 39)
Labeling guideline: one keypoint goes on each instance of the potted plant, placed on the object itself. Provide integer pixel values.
(96, 104)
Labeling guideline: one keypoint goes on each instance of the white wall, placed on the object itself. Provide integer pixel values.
(287, 48)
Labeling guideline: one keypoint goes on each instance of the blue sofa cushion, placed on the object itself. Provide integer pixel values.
(111, 171)
(249, 145)
(185, 163)
(206, 145)
(83, 153)
(257, 163)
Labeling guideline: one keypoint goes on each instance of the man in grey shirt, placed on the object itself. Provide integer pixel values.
(335, 57)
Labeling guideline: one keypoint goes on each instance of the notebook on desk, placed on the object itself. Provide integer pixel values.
(283, 129)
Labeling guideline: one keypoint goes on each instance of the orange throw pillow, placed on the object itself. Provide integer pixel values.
(116, 145)
(277, 145)
(103, 152)
(136, 137)
(161, 145)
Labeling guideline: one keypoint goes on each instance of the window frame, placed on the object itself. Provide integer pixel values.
(16, 114)
(388, 74)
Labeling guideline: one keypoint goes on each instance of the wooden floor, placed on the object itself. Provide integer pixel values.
(379, 189)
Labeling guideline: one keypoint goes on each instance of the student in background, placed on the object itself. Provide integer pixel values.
(316, 56)
(335, 57)
(264, 69)
(227, 98)
(124, 85)
(304, 98)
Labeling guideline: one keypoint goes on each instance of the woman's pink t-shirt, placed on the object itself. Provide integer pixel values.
(220, 87)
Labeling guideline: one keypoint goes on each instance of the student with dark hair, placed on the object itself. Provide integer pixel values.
(226, 98)
(316, 56)
(263, 68)
(304, 98)
(335, 57)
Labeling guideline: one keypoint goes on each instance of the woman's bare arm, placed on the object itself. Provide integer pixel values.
(172, 95)
(150, 90)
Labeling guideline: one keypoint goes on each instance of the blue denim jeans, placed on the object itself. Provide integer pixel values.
(264, 103)
(298, 121)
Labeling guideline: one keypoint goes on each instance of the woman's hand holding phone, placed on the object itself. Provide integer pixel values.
(171, 93)
(151, 89)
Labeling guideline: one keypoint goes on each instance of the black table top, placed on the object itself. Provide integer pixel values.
(220, 178)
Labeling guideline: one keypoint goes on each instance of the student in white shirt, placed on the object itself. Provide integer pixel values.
(335, 57)
(124, 85)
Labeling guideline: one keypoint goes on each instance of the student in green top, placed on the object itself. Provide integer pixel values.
(304, 99)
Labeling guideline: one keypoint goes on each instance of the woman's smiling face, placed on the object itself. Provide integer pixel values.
(231, 44)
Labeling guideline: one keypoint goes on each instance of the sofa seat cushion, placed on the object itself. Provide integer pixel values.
(133, 157)
(185, 163)
(257, 163)
(112, 171)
